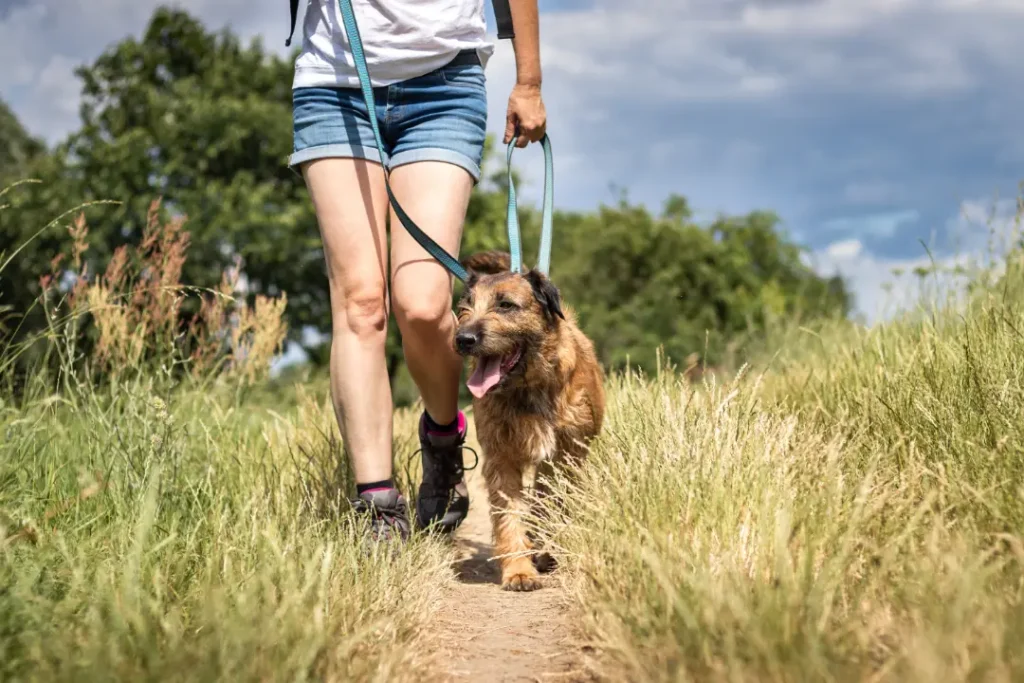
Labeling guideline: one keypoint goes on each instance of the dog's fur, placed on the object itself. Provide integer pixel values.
(546, 408)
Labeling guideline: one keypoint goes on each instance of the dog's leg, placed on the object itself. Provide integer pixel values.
(571, 452)
(511, 542)
(543, 560)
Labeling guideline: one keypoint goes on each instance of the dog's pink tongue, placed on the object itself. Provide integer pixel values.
(486, 375)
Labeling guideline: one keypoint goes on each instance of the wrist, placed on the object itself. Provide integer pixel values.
(528, 83)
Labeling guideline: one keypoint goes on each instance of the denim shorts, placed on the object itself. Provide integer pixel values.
(440, 116)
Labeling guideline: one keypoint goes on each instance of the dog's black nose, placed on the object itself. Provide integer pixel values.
(465, 341)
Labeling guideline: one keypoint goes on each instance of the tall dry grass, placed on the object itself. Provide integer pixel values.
(154, 526)
(133, 313)
(853, 512)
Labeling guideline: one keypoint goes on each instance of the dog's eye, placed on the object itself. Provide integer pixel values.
(506, 305)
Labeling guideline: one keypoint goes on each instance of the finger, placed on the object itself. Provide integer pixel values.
(542, 124)
(510, 127)
(535, 131)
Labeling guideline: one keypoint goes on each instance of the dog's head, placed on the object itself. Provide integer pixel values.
(504, 320)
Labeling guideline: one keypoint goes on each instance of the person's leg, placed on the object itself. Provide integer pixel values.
(437, 195)
(351, 206)
(442, 119)
(340, 165)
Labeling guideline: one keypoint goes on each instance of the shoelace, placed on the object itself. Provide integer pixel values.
(454, 467)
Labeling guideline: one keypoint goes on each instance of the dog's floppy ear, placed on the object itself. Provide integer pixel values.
(487, 262)
(546, 293)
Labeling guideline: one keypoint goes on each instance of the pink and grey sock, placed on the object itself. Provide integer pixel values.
(444, 435)
(374, 486)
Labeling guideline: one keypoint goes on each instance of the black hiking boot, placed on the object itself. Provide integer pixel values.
(389, 514)
(443, 499)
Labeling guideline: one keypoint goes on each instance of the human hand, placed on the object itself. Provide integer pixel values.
(526, 116)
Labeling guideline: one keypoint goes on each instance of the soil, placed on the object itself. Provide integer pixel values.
(500, 636)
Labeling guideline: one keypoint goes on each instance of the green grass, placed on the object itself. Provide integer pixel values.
(852, 509)
(190, 539)
(855, 512)
(168, 513)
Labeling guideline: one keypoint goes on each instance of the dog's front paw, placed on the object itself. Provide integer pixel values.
(521, 581)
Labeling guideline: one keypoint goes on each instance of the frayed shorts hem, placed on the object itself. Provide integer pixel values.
(348, 151)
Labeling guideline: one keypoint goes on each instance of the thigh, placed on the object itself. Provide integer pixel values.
(351, 205)
(440, 126)
(340, 163)
(435, 194)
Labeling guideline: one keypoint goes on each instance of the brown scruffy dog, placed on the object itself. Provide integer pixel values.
(538, 395)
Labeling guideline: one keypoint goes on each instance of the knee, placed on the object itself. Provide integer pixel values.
(425, 313)
(364, 314)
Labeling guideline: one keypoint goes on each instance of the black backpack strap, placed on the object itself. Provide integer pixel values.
(503, 18)
(295, 11)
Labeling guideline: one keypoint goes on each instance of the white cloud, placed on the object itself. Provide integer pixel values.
(683, 51)
(55, 95)
(41, 43)
(698, 50)
(987, 226)
(882, 287)
(633, 91)
(844, 250)
(984, 232)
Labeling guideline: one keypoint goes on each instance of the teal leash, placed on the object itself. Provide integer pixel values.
(450, 263)
(514, 243)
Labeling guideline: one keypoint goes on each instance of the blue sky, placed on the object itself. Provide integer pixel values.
(868, 125)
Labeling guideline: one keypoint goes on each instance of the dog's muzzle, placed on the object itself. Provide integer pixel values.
(466, 341)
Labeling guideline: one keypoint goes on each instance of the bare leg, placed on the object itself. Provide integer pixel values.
(435, 194)
(351, 203)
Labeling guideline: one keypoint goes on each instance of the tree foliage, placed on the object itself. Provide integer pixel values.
(17, 147)
(202, 121)
(641, 281)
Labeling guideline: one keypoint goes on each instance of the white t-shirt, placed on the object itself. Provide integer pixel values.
(401, 39)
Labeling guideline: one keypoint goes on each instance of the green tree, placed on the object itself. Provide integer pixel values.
(199, 119)
(640, 281)
(17, 147)
(23, 260)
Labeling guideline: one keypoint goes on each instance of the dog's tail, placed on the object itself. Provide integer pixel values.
(488, 262)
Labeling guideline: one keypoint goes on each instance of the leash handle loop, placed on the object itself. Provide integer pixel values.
(514, 240)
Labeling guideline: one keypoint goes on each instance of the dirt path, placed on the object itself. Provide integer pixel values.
(498, 636)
